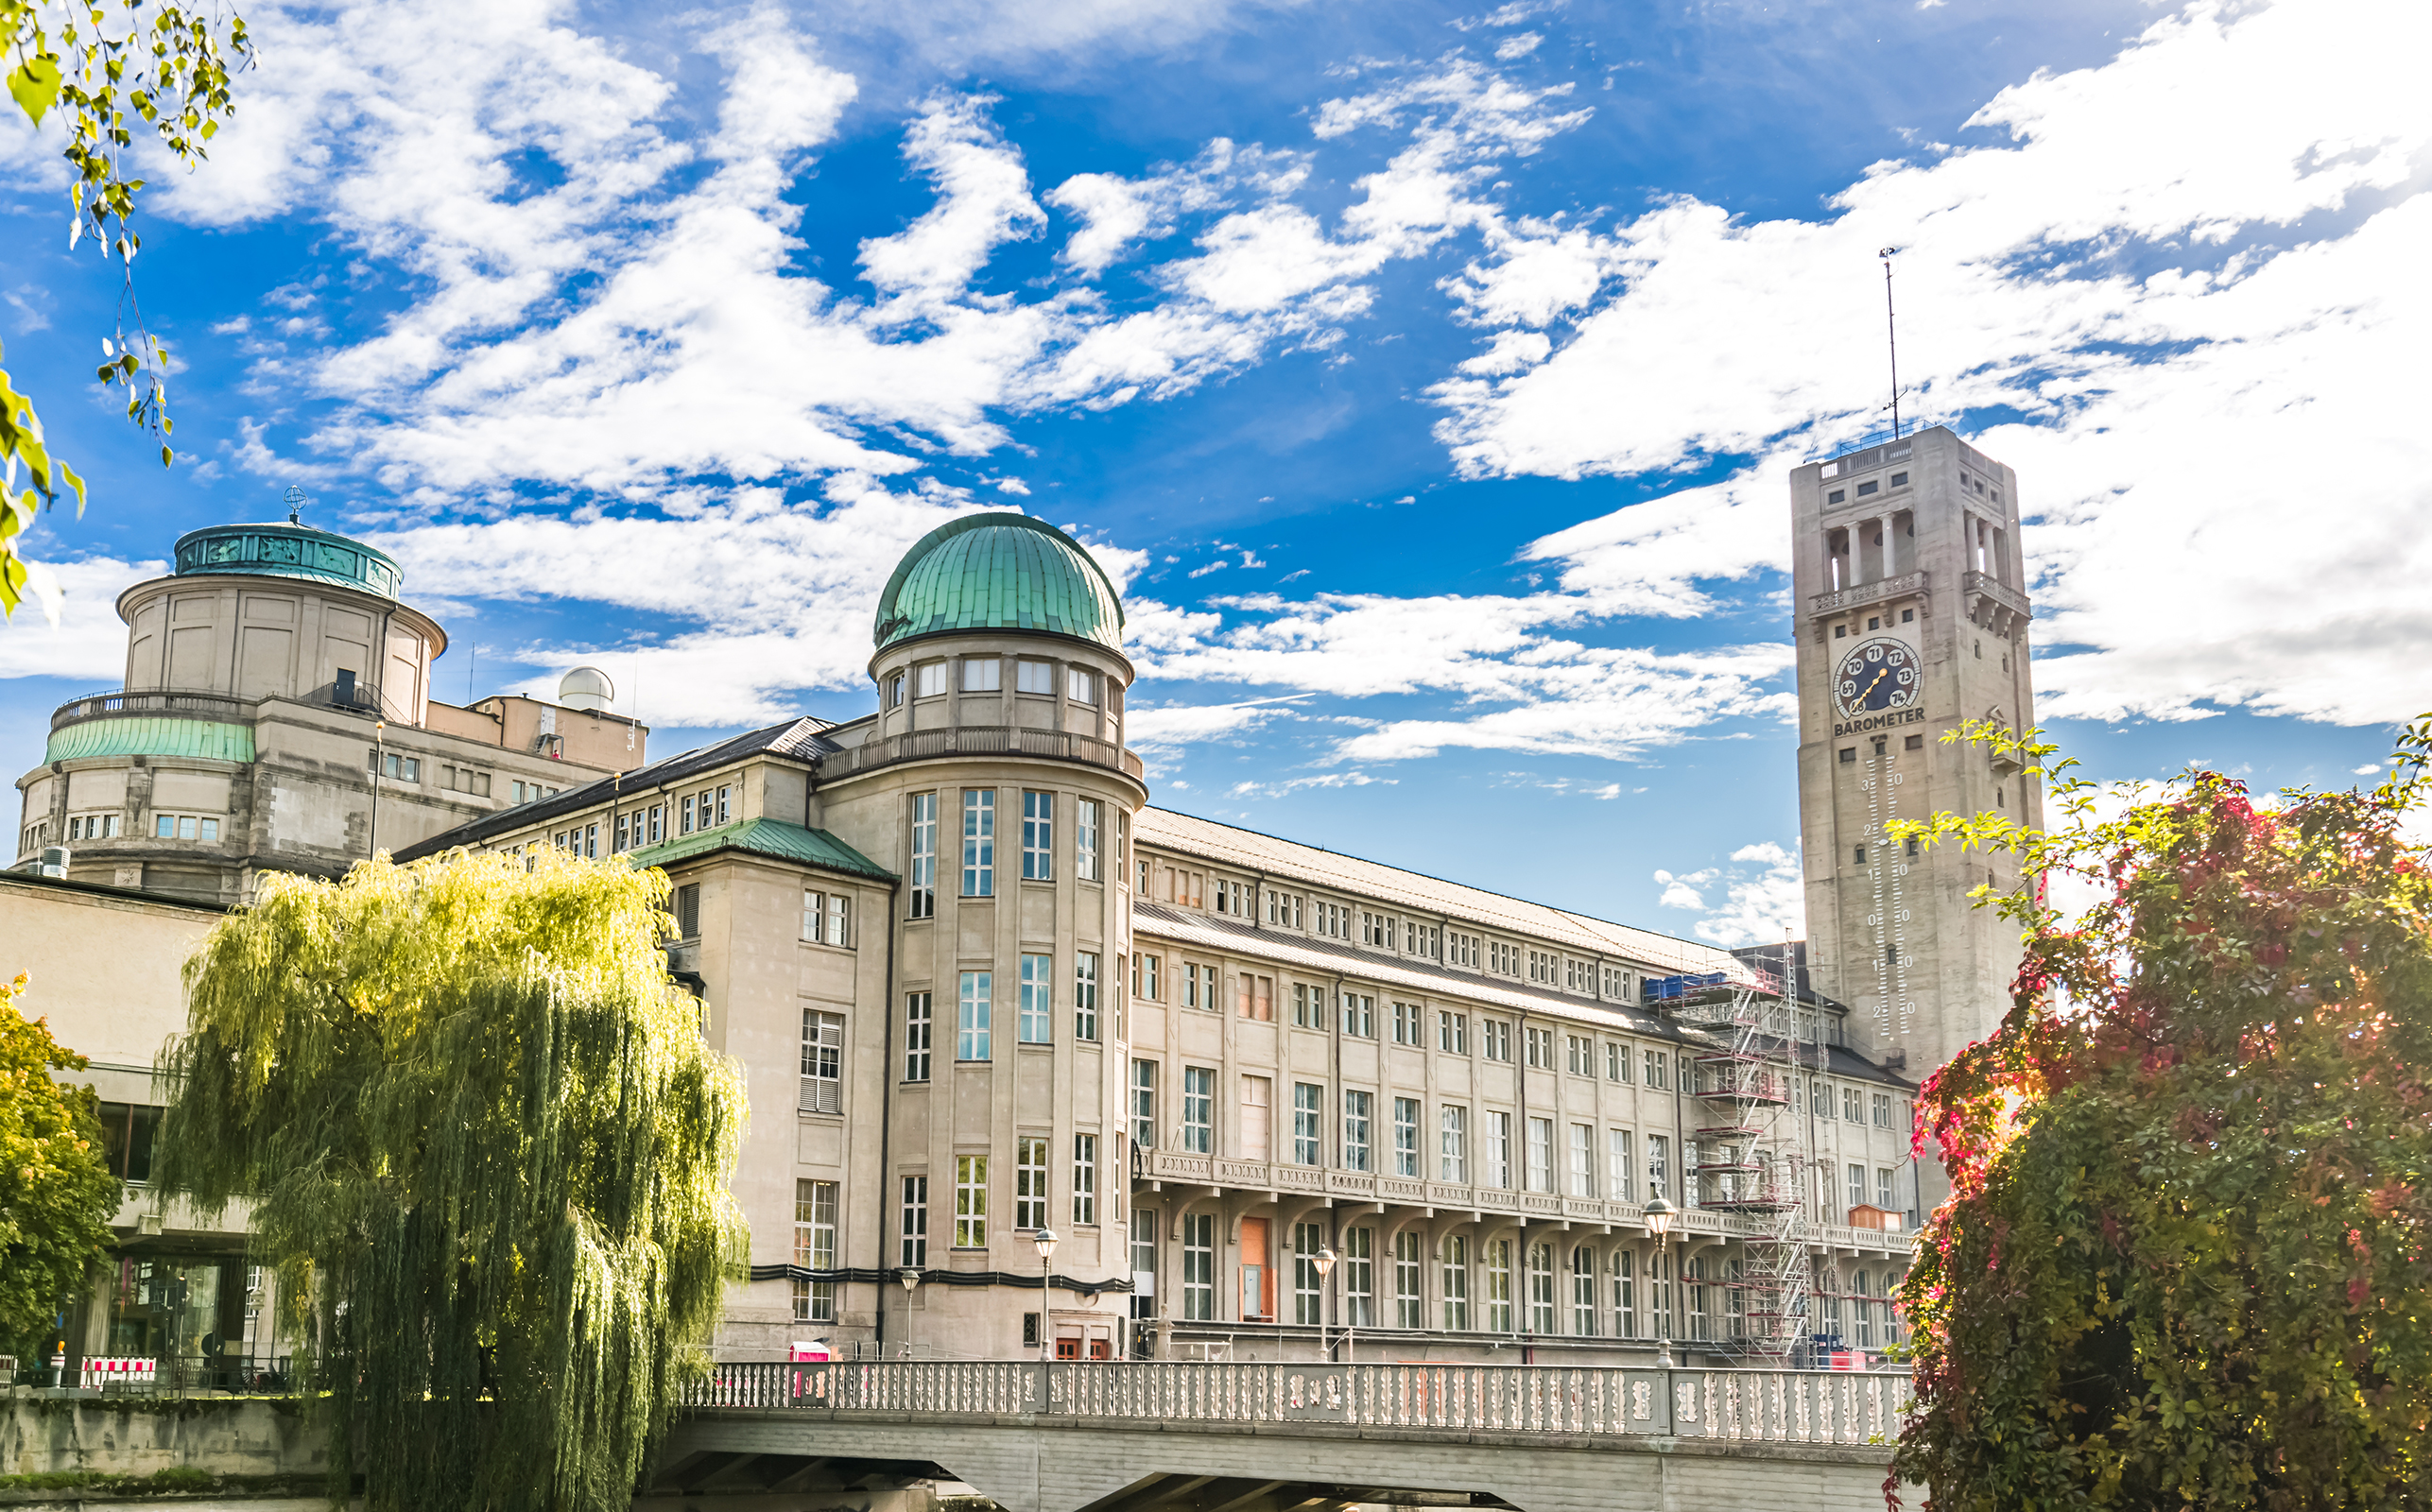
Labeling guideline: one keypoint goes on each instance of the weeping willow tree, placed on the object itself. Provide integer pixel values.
(486, 1152)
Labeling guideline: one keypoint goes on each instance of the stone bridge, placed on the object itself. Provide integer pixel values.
(1128, 1436)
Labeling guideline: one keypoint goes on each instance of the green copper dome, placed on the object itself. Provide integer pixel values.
(999, 571)
(287, 551)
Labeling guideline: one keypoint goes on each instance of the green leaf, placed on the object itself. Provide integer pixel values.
(35, 85)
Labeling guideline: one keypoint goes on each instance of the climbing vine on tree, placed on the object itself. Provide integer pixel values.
(109, 71)
(487, 1150)
(2184, 1260)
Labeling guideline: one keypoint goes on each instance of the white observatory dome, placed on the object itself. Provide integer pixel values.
(586, 688)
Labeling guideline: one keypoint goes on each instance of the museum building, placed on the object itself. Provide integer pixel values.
(1039, 1067)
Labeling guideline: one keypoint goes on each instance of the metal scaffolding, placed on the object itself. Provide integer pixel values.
(1751, 1157)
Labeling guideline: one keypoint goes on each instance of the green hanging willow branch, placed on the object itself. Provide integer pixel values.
(487, 1151)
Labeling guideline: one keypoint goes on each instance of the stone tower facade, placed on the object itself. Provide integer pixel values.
(1912, 616)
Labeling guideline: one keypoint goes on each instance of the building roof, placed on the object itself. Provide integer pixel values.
(803, 739)
(151, 735)
(774, 838)
(1459, 905)
(288, 551)
(999, 571)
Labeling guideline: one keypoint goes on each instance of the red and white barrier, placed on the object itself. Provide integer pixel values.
(126, 1370)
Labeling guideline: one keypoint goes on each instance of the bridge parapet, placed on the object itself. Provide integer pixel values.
(1556, 1401)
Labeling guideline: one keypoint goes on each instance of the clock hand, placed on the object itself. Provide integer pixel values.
(1878, 677)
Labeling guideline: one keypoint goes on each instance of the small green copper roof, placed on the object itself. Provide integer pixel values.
(151, 735)
(767, 837)
(288, 551)
(999, 571)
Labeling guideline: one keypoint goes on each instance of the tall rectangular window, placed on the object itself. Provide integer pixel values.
(1031, 1183)
(1655, 1069)
(815, 1250)
(1541, 1048)
(1857, 1186)
(970, 1202)
(1085, 822)
(1498, 1148)
(1257, 997)
(1144, 1262)
(1883, 1188)
(1359, 1014)
(1085, 1178)
(1617, 1061)
(1038, 836)
(1034, 1001)
(1540, 1155)
(1408, 1255)
(1583, 1160)
(1584, 1291)
(1356, 1128)
(922, 887)
(1619, 1184)
(918, 1028)
(1457, 1282)
(1694, 1277)
(914, 1249)
(822, 1088)
(1881, 1104)
(1659, 1294)
(1499, 1319)
(1456, 1154)
(1308, 1103)
(1308, 1287)
(1198, 1110)
(1625, 1296)
(1143, 1104)
(1405, 1137)
(1085, 995)
(979, 842)
(972, 1011)
(1308, 1006)
(1405, 1023)
(1497, 1036)
(1199, 1266)
(1359, 1278)
(1453, 1033)
(1143, 977)
(1659, 1166)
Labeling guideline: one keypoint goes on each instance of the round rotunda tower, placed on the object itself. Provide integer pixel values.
(994, 782)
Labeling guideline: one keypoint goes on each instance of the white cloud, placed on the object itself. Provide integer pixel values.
(1149, 728)
(89, 642)
(1294, 784)
(1520, 46)
(2185, 328)
(983, 200)
(1764, 898)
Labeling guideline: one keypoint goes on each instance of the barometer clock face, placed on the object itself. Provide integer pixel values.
(1876, 675)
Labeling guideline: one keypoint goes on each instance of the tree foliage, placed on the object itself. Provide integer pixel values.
(167, 66)
(56, 1193)
(2185, 1259)
(488, 1153)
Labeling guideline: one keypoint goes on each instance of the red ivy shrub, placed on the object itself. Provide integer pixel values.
(2184, 1263)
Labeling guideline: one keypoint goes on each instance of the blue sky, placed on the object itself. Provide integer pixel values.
(1426, 374)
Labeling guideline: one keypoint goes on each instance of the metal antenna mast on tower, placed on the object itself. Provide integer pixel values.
(1891, 330)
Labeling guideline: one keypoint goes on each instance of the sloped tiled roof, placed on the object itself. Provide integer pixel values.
(803, 739)
(1460, 905)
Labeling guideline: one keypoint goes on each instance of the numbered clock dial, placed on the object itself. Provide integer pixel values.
(1875, 675)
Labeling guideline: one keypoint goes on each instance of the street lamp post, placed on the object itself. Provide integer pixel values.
(910, 1276)
(1660, 1213)
(1324, 1259)
(1046, 1242)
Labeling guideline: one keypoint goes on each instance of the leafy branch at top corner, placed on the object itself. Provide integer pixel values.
(97, 64)
(2023, 753)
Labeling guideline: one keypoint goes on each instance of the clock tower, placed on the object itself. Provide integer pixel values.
(1912, 616)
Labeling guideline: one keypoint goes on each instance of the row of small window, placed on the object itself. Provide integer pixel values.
(105, 827)
(1625, 1295)
(1874, 622)
(1899, 480)
(632, 829)
(1200, 986)
(1877, 1108)
(985, 673)
(1034, 1012)
(1978, 484)
(398, 767)
(1849, 756)
(1039, 845)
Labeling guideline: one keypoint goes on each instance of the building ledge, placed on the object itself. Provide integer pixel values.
(1907, 585)
(978, 740)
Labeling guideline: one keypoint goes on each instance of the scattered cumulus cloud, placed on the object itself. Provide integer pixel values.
(1763, 896)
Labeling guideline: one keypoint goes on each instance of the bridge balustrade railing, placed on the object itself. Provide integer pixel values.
(1774, 1406)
